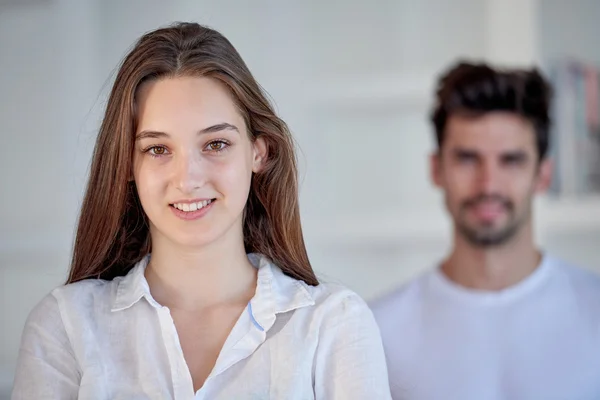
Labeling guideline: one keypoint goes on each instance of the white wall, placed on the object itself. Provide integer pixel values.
(353, 79)
(570, 28)
(43, 100)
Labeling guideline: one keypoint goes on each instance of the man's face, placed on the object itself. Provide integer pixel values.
(489, 170)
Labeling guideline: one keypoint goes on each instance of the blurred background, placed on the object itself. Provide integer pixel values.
(353, 79)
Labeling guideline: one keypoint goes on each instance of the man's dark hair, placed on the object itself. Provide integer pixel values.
(476, 89)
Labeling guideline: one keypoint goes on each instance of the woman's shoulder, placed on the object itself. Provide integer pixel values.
(326, 298)
(71, 304)
(50, 312)
(330, 291)
(87, 297)
(337, 298)
(292, 293)
(86, 290)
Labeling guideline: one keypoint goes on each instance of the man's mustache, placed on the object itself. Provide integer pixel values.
(488, 198)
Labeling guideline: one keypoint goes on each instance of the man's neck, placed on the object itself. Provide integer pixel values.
(492, 268)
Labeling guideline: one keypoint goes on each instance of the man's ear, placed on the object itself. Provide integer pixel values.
(545, 173)
(435, 168)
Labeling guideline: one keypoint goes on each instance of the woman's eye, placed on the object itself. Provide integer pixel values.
(159, 151)
(156, 151)
(217, 145)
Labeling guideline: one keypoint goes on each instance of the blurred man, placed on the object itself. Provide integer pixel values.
(498, 318)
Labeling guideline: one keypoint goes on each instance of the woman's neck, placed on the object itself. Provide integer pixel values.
(200, 278)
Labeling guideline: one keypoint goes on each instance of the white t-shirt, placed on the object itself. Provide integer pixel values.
(537, 340)
(99, 339)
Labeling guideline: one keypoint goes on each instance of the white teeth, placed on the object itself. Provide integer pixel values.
(189, 207)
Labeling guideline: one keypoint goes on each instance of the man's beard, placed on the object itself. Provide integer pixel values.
(486, 235)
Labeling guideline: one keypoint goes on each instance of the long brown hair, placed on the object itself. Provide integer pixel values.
(112, 232)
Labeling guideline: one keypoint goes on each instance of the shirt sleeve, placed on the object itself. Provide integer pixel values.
(46, 365)
(350, 362)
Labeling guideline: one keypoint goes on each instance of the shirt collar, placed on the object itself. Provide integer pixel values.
(132, 287)
(275, 292)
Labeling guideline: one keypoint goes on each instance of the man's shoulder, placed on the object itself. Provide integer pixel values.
(392, 301)
(581, 277)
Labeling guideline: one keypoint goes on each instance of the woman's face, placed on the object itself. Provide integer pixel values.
(193, 160)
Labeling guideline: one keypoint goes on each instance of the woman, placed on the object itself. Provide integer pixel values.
(189, 276)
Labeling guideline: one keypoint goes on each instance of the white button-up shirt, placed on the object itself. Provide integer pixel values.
(99, 339)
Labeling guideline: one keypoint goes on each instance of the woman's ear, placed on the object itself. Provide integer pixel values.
(259, 154)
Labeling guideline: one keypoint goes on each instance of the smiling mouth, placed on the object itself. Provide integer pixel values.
(191, 207)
